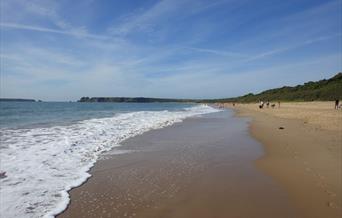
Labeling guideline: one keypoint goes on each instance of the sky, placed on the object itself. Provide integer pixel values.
(63, 50)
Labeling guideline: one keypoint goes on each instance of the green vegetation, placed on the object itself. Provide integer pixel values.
(323, 90)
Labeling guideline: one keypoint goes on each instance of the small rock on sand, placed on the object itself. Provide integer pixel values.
(2, 175)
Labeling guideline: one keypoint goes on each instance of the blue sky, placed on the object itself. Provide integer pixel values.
(63, 50)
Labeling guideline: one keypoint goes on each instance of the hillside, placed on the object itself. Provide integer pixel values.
(323, 90)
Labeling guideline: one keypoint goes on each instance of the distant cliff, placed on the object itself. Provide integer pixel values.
(132, 100)
(16, 99)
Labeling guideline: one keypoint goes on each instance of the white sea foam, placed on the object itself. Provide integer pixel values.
(43, 164)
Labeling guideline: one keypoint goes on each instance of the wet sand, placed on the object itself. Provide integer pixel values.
(305, 157)
(202, 167)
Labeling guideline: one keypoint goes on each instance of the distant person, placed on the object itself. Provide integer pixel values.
(268, 104)
(261, 104)
(337, 103)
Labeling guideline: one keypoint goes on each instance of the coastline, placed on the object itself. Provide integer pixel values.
(305, 156)
(201, 167)
(58, 157)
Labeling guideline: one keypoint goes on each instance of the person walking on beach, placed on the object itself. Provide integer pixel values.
(337, 102)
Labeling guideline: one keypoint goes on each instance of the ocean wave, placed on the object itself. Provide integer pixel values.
(43, 164)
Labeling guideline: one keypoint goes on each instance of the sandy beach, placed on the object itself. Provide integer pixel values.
(303, 147)
(202, 167)
(274, 162)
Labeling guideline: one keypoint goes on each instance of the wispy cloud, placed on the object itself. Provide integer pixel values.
(144, 20)
(217, 52)
(201, 6)
(41, 12)
(75, 33)
(292, 47)
(147, 19)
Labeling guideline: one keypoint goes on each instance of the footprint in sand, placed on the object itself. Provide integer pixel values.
(320, 176)
(321, 185)
(330, 193)
(332, 204)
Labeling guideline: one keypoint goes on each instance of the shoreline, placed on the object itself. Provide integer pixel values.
(201, 167)
(59, 157)
(304, 157)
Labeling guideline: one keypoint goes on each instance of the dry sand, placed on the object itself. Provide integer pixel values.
(305, 156)
(202, 168)
(320, 114)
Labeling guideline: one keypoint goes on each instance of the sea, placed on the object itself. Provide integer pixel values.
(47, 148)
